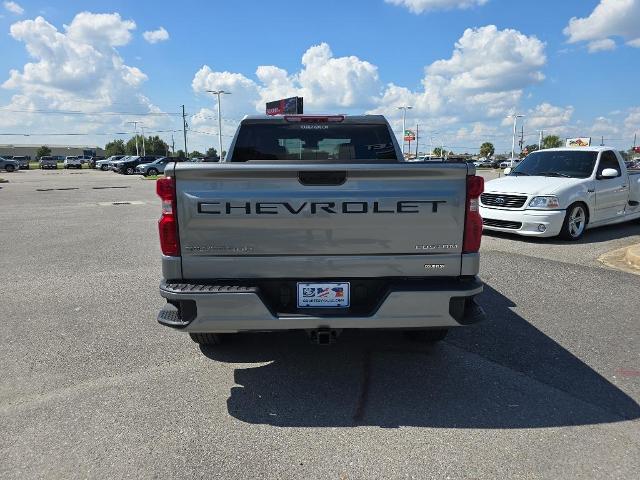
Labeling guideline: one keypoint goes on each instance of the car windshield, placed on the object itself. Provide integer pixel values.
(314, 141)
(561, 163)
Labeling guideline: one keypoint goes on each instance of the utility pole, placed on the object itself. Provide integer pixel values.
(515, 117)
(218, 93)
(602, 141)
(135, 126)
(184, 131)
(144, 150)
(540, 140)
(173, 145)
(521, 137)
(417, 138)
(404, 109)
(634, 140)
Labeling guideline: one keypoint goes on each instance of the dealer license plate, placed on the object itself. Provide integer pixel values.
(317, 295)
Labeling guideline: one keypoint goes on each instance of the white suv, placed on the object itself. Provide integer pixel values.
(72, 162)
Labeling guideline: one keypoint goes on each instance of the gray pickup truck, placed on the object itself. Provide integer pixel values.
(317, 223)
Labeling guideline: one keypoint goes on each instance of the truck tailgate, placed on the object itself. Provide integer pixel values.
(241, 220)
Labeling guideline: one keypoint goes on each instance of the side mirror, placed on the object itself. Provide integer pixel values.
(507, 170)
(609, 173)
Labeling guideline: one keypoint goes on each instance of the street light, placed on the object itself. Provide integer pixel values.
(515, 117)
(144, 150)
(135, 125)
(404, 109)
(218, 93)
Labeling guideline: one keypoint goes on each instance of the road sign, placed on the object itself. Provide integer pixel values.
(409, 136)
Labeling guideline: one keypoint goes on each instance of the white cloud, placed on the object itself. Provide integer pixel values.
(13, 7)
(326, 82)
(155, 36)
(484, 77)
(421, 6)
(601, 45)
(610, 18)
(77, 68)
(547, 116)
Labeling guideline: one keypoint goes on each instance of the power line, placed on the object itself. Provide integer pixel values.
(75, 134)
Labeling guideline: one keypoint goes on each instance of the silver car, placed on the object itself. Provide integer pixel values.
(154, 168)
(9, 165)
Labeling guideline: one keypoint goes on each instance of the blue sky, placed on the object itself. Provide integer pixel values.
(569, 77)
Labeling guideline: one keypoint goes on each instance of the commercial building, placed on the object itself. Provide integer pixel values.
(60, 150)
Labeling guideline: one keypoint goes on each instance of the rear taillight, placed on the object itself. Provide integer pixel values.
(473, 220)
(168, 223)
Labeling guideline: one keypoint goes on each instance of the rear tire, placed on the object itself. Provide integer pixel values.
(427, 336)
(129, 171)
(9, 168)
(206, 338)
(104, 168)
(151, 172)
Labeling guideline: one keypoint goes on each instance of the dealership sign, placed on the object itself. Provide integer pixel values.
(285, 106)
(409, 136)
(579, 142)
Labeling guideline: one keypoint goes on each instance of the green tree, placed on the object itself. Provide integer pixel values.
(487, 149)
(551, 141)
(195, 154)
(212, 152)
(43, 151)
(155, 146)
(180, 154)
(130, 146)
(437, 152)
(116, 147)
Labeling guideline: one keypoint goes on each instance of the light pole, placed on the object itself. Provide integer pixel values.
(218, 93)
(515, 117)
(144, 150)
(404, 109)
(135, 126)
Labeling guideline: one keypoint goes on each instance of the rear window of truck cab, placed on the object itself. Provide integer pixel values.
(337, 142)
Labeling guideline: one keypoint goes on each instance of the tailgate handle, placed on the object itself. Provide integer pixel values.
(322, 178)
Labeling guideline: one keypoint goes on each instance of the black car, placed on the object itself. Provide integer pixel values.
(129, 167)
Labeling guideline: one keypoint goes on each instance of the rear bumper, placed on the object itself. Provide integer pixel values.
(432, 303)
(523, 222)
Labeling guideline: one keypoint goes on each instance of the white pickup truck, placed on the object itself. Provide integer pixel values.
(562, 191)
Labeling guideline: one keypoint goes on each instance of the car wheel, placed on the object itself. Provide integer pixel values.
(9, 168)
(428, 336)
(206, 338)
(129, 171)
(575, 222)
(104, 168)
(152, 171)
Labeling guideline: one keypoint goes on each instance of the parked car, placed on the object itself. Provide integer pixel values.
(510, 163)
(113, 165)
(23, 161)
(9, 165)
(103, 164)
(562, 191)
(128, 167)
(48, 162)
(72, 162)
(155, 167)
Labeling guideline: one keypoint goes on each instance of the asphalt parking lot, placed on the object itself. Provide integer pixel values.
(93, 387)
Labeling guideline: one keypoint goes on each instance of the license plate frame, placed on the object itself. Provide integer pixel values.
(324, 295)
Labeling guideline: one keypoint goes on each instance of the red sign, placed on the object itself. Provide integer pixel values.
(636, 149)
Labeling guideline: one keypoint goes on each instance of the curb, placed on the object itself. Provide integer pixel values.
(632, 256)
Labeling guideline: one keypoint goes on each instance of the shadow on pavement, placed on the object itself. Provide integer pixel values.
(596, 235)
(503, 373)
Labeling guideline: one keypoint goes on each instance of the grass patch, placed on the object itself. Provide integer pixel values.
(152, 177)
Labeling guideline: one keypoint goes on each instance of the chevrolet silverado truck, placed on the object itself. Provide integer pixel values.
(317, 223)
(562, 192)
